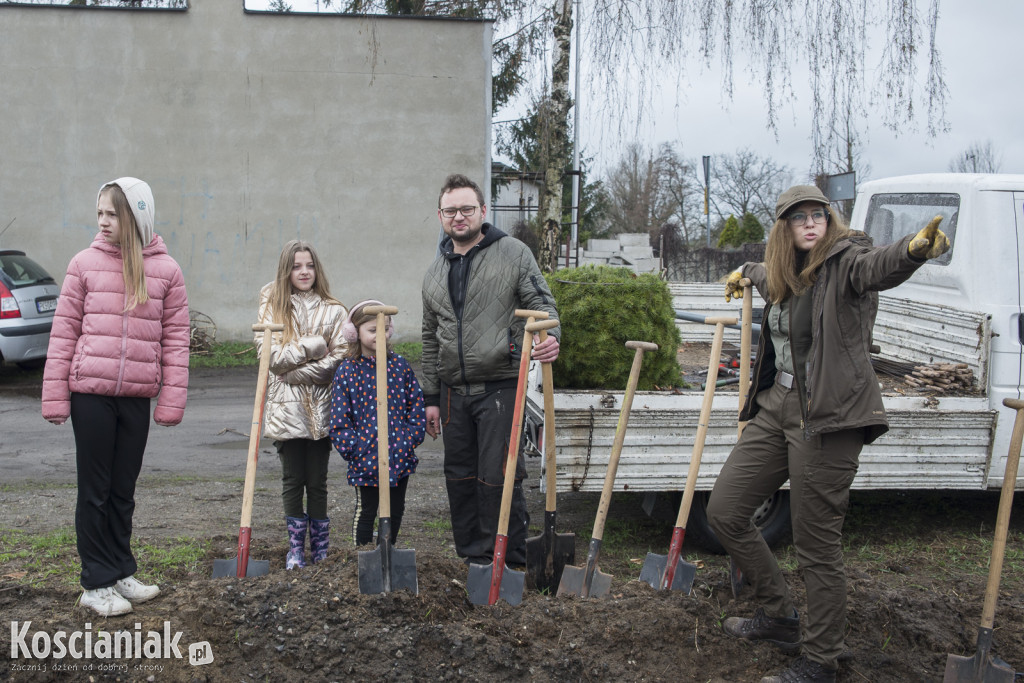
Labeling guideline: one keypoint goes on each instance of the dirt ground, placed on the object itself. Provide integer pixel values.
(916, 565)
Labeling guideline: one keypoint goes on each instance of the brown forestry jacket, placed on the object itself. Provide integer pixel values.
(842, 389)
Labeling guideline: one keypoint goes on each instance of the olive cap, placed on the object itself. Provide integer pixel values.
(796, 195)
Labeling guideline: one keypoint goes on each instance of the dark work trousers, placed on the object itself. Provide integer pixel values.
(476, 432)
(110, 440)
(304, 471)
(820, 472)
(367, 502)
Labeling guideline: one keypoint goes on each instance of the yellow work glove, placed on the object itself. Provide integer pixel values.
(930, 242)
(733, 288)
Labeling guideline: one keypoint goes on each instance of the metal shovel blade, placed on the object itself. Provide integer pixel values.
(586, 581)
(478, 584)
(547, 555)
(574, 582)
(981, 668)
(230, 568)
(385, 568)
(653, 573)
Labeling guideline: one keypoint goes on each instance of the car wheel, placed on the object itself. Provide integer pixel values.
(771, 517)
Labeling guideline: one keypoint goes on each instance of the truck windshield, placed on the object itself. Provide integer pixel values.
(892, 216)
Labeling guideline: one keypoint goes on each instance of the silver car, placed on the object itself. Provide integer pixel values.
(28, 299)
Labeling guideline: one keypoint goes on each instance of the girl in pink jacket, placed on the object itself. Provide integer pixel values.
(120, 337)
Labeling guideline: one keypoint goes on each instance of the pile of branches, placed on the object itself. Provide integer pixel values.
(941, 377)
(202, 333)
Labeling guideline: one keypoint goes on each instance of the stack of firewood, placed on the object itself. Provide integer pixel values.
(941, 377)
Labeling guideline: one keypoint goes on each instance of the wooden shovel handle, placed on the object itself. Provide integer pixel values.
(517, 429)
(988, 613)
(383, 451)
(536, 315)
(379, 310)
(745, 333)
(702, 423)
(256, 428)
(620, 435)
(548, 383)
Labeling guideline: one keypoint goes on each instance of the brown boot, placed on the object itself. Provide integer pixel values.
(783, 632)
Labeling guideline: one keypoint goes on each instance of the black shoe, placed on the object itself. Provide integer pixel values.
(781, 631)
(803, 671)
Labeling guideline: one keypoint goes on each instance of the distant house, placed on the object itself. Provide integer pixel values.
(515, 196)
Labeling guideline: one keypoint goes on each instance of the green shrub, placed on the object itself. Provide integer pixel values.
(601, 308)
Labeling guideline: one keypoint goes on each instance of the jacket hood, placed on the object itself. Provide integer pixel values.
(855, 238)
(491, 235)
(155, 246)
(140, 199)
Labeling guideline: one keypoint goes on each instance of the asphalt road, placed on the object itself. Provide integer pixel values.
(211, 441)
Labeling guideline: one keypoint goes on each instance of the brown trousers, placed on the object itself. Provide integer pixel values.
(820, 471)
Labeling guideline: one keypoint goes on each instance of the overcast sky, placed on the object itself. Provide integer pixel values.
(979, 44)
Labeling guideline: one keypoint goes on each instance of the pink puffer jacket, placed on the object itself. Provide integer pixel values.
(98, 348)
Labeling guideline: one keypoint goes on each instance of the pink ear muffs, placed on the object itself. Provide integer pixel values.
(349, 331)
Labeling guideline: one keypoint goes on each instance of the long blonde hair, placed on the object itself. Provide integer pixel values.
(280, 300)
(132, 269)
(780, 257)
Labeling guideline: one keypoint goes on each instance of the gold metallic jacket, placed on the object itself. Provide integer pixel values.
(301, 372)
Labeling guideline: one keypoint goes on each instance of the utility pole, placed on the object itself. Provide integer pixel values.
(707, 216)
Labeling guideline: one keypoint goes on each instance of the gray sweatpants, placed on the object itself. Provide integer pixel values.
(820, 472)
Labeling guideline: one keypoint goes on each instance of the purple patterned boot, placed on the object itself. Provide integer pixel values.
(319, 535)
(296, 557)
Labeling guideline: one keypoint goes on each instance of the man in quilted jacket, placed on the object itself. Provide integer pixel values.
(471, 353)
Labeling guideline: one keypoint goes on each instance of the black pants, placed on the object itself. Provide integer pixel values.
(367, 502)
(476, 438)
(110, 440)
(304, 471)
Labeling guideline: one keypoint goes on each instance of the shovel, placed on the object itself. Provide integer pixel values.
(983, 667)
(547, 554)
(241, 566)
(488, 582)
(736, 579)
(384, 568)
(672, 572)
(588, 580)
(746, 325)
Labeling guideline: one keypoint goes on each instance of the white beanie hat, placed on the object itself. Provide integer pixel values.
(140, 199)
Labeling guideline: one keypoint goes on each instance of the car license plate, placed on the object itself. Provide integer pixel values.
(46, 306)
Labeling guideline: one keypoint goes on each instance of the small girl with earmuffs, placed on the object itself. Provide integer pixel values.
(354, 420)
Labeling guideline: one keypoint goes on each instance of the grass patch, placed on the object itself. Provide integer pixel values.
(52, 557)
(242, 354)
(410, 351)
(225, 355)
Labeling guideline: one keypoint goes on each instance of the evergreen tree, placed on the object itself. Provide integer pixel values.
(751, 231)
(730, 236)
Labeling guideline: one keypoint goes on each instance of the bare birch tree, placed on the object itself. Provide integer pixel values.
(632, 48)
(979, 157)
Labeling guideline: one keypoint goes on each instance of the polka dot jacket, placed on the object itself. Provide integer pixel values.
(354, 418)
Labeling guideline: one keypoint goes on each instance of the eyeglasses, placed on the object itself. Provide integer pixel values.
(818, 216)
(466, 211)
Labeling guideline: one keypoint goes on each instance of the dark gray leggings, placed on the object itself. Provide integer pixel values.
(304, 471)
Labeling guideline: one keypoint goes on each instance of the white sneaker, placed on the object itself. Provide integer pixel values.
(105, 601)
(132, 589)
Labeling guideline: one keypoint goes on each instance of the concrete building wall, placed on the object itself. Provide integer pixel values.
(253, 129)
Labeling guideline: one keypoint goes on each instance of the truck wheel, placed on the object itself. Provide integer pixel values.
(772, 518)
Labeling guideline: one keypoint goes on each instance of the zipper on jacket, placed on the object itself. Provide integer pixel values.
(124, 347)
(804, 409)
